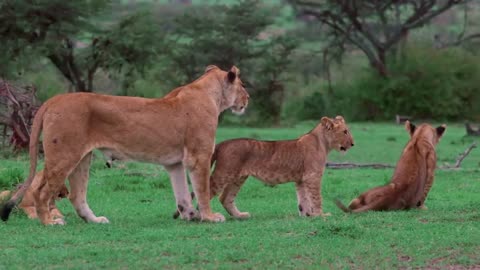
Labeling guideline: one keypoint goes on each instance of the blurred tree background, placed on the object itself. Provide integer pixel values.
(364, 59)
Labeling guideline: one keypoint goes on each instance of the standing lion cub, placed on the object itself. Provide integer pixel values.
(413, 176)
(276, 162)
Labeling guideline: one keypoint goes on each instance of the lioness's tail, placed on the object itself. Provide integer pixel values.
(33, 148)
(342, 206)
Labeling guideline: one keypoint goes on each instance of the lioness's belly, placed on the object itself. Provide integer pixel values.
(168, 158)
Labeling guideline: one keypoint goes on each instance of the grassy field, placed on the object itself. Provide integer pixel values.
(138, 200)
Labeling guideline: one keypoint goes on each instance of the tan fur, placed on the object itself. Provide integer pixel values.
(177, 131)
(28, 202)
(412, 179)
(276, 162)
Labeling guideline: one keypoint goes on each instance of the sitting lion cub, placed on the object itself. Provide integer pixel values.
(276, 162)
(413, 176)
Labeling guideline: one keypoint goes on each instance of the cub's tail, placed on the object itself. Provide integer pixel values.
(342, 206)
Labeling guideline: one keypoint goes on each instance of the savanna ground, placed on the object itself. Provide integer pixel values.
(138, 200)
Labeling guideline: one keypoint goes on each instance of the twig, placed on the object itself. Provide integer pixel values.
(348, 165)
(460, 158)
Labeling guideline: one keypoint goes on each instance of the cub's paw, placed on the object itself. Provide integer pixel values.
(423, 207)
(242, 215)
(214, 217)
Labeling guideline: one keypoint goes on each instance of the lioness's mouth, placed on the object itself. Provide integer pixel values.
(238, 110)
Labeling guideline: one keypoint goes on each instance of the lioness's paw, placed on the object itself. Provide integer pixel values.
(214, 217)
(102, 220)
(242, 215)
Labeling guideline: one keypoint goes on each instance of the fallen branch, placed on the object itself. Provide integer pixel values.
(460, 158)
(348, 165)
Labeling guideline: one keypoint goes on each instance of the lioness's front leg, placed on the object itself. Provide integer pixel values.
(180, 189)
(199, 168)
(313, 189)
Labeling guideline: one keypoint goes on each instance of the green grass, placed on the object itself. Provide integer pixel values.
(142, 233)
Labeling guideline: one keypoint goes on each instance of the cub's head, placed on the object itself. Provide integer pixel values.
(426, 131)
(337, 133)
(234, 96)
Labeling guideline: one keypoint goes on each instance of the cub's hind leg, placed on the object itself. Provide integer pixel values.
(303, 203)
(228, 198)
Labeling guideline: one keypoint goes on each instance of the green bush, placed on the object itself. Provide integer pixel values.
(426, 83)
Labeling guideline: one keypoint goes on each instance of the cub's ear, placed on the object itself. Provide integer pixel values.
(410, 128)
(210, 67)
(327, 123)
(441, 129)
(233, 74)
(340, 118)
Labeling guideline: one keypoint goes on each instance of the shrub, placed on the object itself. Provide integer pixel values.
(426, 83)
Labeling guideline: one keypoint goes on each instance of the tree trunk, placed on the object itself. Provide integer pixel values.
(380, 63)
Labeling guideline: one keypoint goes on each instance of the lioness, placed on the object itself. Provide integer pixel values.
(276, 162)
(413, 176)
(177, 131)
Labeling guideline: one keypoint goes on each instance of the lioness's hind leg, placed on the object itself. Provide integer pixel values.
(228, 198)
(183, 197)
(78, 194)
(199, 168)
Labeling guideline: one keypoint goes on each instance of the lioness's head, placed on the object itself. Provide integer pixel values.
(432, 134)
(337, 133)
(234, 96)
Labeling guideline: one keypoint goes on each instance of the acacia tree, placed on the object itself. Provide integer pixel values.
(373, 26)
(73, 36)
(237, 34)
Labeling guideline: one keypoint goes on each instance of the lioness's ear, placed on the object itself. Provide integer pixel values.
(340, 118)
(410, 128)
(441, 129)
(233, 74)
(210, 67)
(327, 123)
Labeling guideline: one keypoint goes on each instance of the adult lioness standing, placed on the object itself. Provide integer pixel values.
(177, 131)
(412, 179)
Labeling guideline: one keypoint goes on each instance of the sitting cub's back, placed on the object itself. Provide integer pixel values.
(271, 161)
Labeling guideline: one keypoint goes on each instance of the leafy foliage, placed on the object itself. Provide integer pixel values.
(74, 38)
(230, 35)
(426, 84)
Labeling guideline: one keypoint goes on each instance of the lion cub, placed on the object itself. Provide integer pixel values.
(413, 176)
(276, 162)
